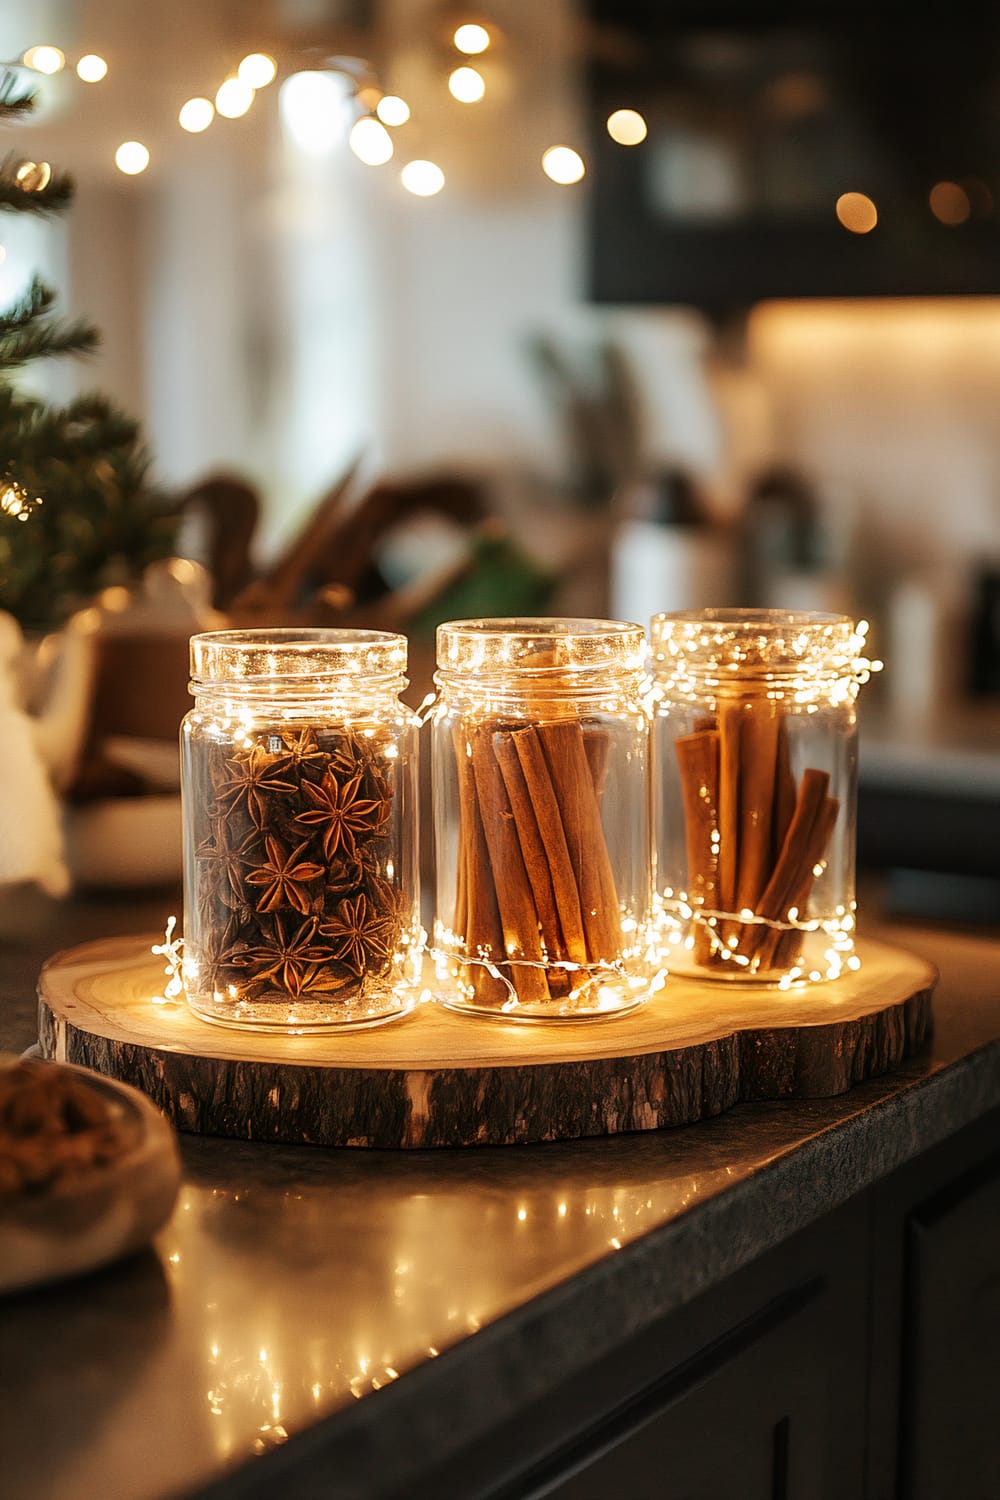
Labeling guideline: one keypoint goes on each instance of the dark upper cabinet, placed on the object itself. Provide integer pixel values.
(762, 117)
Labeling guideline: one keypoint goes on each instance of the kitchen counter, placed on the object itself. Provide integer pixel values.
(400, 1305)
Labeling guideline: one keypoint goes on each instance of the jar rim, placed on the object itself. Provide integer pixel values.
(765, 639)
(294, 654)
(539, 644)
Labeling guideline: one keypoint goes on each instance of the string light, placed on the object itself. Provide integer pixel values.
(44, 59)
(132, 157)
(627, 127)
(370, 141)
(467, 85)
(857, 212)
(392, 110)
(196, 115)
(233, 98)
(950, 203)
(91, 69)
(422, 178)
(34, 176)
(257, 70)
(471, 39)
(563, 165)
(315, 110)
(15, 500)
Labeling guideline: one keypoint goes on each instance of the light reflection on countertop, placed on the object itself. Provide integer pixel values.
(360, 1287)
(292, 1281)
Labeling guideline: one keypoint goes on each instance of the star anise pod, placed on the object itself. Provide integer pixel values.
(290, 959)
(384, 895)
(347, 756)
(360, 935)
(340, 814)
(296, 752)
(226, 865)
(282, 877)
(343, 877)
(325, 979)
(252, 777)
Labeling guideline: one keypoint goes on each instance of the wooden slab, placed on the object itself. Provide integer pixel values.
(99, 1215)
(438, 1078)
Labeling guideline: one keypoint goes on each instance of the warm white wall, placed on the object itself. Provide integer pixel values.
(897, 406)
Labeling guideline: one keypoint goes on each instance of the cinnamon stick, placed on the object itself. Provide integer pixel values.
(778, 950)
(562, 743)
(536, 862)
(518, 917)
(730, 725)
(698, 758)
(796, 854)
(598, 747)
(758, 756)
(480, 927)
(784, 791)
(545, 806)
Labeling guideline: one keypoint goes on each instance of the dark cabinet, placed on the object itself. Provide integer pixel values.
(950, 1406)
(748, 1421)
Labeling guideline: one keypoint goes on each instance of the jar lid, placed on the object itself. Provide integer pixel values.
(539, 645)
(293, 656)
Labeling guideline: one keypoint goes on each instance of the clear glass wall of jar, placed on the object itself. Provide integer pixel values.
(301, 901)
(540, 741)
(754, 793)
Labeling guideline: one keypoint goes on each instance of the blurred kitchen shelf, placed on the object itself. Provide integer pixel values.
(929, 795)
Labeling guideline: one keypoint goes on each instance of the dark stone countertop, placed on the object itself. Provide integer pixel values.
(291, 1282)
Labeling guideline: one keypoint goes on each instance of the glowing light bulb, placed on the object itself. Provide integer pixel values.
(392, 110)
(132, 157)
(471, 39)
(370, 141)
(422, 178)
(563, 165)
(315, 110)
(91, 69)
(257, 70)
(34, 176)
(233, 98)
(467, 85)
(857, 212)
(627, 127)
(950, 203)
(196, 115)
(44, 59)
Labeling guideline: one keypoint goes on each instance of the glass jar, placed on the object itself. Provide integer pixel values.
(540, 742)
(298, 767)
(754, 792)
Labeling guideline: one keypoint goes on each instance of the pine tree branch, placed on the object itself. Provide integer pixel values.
(15, 101)
(27, 333)
(56, 195)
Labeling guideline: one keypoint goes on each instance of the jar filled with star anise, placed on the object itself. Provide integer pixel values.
(300, 861)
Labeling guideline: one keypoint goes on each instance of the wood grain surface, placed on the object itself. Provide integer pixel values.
(437, 1078)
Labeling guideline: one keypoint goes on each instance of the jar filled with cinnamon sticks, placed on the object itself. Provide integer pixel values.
(753, 792)
(300, 830)
(540, 739)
